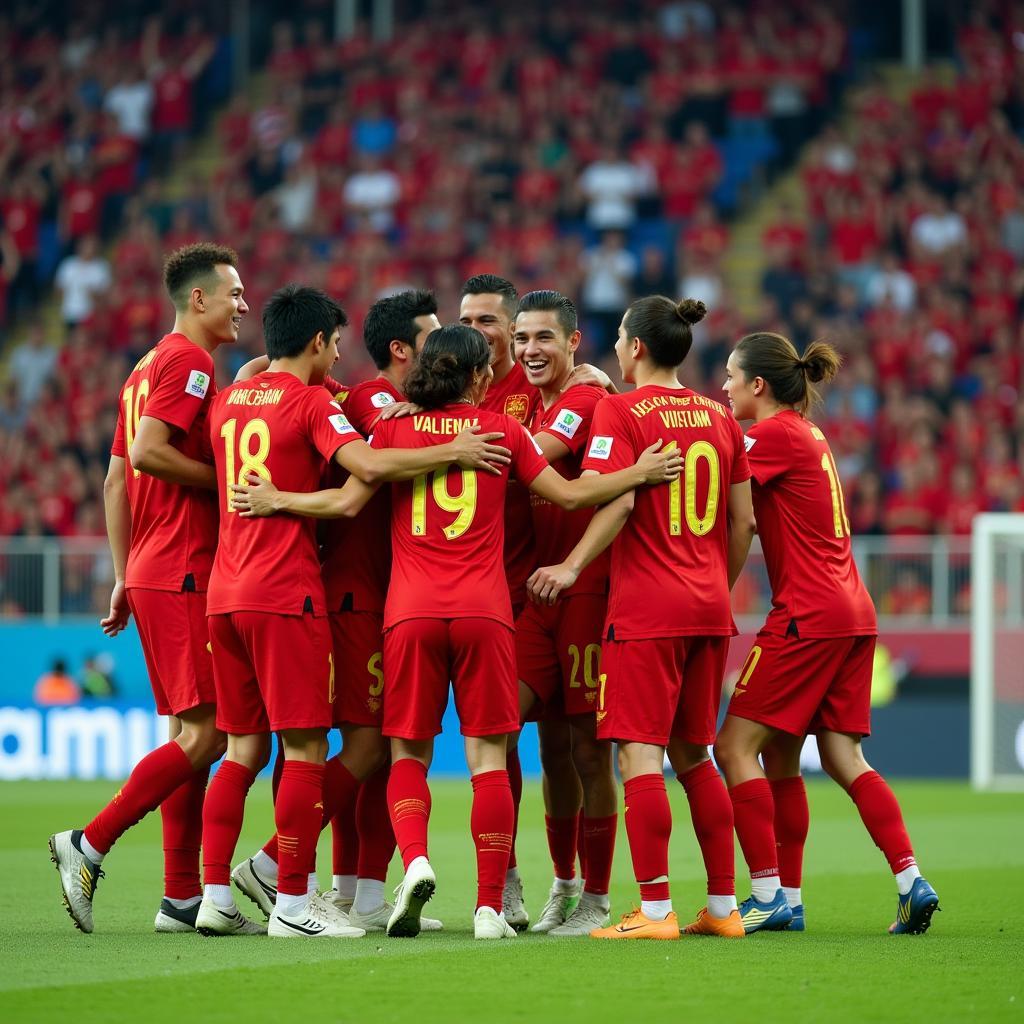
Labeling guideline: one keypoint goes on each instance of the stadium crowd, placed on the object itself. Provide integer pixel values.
(593, 151)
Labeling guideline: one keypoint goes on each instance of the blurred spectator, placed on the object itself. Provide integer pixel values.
(611, 186)
(97, 678)
(608, 273)
(80, 278)
(32, 363)
(56, 688)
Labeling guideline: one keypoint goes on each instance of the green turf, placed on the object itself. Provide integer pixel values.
(969, 966)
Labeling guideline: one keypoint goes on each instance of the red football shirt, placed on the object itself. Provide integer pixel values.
(174, 528)
(669, 574)
(274, 425)
(357, 552)
(448, 528)
(515, 396)
(805, 534)
(556, 530)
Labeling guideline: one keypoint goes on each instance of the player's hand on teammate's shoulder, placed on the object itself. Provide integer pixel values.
(547, 582)
(587, 373)
(660, 465)
(396, 410)
(256, 497)
(474, 450)
(119, 614)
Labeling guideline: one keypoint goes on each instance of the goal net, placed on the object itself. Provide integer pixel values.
(997, 651)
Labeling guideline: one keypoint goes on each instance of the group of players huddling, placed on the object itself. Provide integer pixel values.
(482, 566)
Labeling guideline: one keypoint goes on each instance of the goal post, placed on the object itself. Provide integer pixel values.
(997, 651)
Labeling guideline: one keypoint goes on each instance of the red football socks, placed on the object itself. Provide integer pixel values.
(299, 817)
(754, 811)
(515, 781)
(711, 813)
(880, 812)
(345, 840)
(151, 782)
(581, 842)
(792, 819)
(222, 820)
(409, 807)
(182, 816)
(376, 840)
(562, 834)
(597, 851)
(491, 822)
(649, 828)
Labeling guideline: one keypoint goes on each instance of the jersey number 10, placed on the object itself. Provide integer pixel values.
(698, 525)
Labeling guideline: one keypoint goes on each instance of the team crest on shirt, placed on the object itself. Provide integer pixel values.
(373, 704)
(382, 398)
(341, 424)
(517, 406)
(198, 384)
(749, 442)
(600, 447)
(568, 423)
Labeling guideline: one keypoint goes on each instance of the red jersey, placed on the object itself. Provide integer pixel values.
(515, 396)
(282, 429)
(669, 573)
(805, 534)
(174, 528)
(556, 530)
(357, 552)
(447, 528)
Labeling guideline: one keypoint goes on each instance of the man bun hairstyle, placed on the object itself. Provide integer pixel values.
(491, 284)
(393, 319)
(548, 301)
(194, 266)
(790, 376)
(663, 325)
(444, 370)
(294, 315)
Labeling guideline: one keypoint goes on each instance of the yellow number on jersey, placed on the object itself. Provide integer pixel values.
(591, 659)
(134, 402)
(698, 525)
(249, 461)
(840, 522)
(463, 503)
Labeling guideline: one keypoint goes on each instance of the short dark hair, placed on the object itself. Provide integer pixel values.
(445, 366)
(548, 301)
(294, 315)
(663, 325)
(394, 318)
(193, 265)
(491, 284)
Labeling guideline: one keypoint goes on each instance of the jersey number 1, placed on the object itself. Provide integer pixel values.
(840, 522)
(247, 460)
(698, 525)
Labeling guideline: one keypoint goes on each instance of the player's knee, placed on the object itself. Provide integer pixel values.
(592, 760)
(687, 756)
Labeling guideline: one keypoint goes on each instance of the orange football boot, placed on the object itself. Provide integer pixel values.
(730, 927)
(635, 925)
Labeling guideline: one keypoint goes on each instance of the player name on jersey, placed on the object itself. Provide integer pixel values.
(256, 396)
(656, 402)
(446, 425)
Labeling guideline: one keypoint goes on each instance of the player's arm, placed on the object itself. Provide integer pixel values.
(653, 467)
(259, 497)
(550, 446)
(742, 527)
(546, 583)
(152, 452)
(119, 527)
(587, 373)
(251, 368)
(469, 449)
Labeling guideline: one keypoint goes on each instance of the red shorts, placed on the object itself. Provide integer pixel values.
(273, 672)
(358, 645)
(670, 686)
(558, 651)
(804, 686)
(174, 634)
(477, 655)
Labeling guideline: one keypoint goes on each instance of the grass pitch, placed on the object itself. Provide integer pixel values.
(970, 966)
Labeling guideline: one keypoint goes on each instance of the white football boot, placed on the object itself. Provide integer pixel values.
(78, 877)
(214, 920)
(489, 924)
(557, 910)
(513, 909)
(415, 889)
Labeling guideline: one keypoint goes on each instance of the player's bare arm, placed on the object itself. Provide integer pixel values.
(587, 373)
(152, 452)
(396, 410)
(468, 449)
(251, 368)
(259, 497)
(742, 528)
(119, 525)
(551, 447)
(546, 583)
(655, 466)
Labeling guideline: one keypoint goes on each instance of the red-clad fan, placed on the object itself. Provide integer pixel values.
(162, 525)
(676, 551)
(448, 525)
(810, 670)
(273, 664)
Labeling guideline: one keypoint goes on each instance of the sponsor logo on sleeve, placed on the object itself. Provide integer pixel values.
(341, 424)
(380, 399)
(749, 442)
(198, 384)
(567, 423)
(600, 447)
